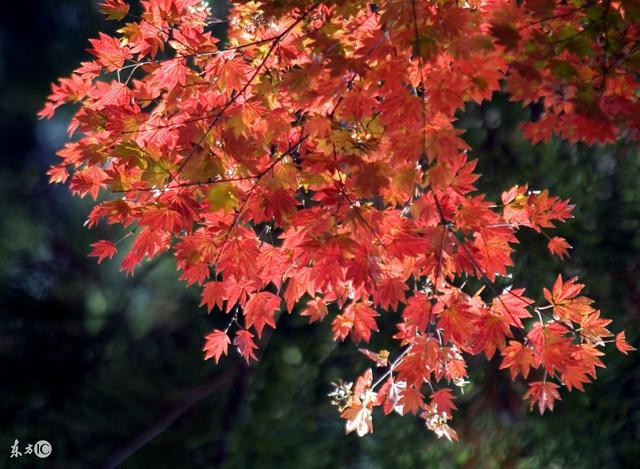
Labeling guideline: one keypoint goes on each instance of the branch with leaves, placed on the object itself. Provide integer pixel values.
(330, 126)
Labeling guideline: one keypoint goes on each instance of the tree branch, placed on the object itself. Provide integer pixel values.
(161, 425)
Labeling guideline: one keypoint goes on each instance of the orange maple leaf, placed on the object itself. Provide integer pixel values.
(622, 345)
(542, 393)
(518, 358)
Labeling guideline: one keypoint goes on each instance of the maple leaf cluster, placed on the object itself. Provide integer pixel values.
(311, 160)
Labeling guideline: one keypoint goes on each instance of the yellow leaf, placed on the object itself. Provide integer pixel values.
(223, 196)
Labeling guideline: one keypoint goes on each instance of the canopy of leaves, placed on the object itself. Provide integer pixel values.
(344, 178)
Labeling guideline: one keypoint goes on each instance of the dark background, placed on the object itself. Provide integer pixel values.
(109, 368)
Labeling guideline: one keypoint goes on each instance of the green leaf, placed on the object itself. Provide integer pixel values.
(202, 166)
(131, 152)
(157, 172)
(223, 196)
(562, 69)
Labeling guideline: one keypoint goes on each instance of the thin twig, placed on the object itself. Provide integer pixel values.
(161, 425)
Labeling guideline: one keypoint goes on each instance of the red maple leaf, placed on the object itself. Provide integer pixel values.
(110, 52)
(389, 292)
(559, 246)
(214, 294)
(357, 319)
(316, 310)
(216, 344)
(260, 311)
(455, 317)
(341, 326)
(417, 313)
(363, 322)
(411, 400)
(103, 249)
(442, 400)
(552, 348)
(246, 345)
(89, 181)
(512, 306)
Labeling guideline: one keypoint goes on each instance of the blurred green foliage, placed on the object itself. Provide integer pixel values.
(109, 368)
